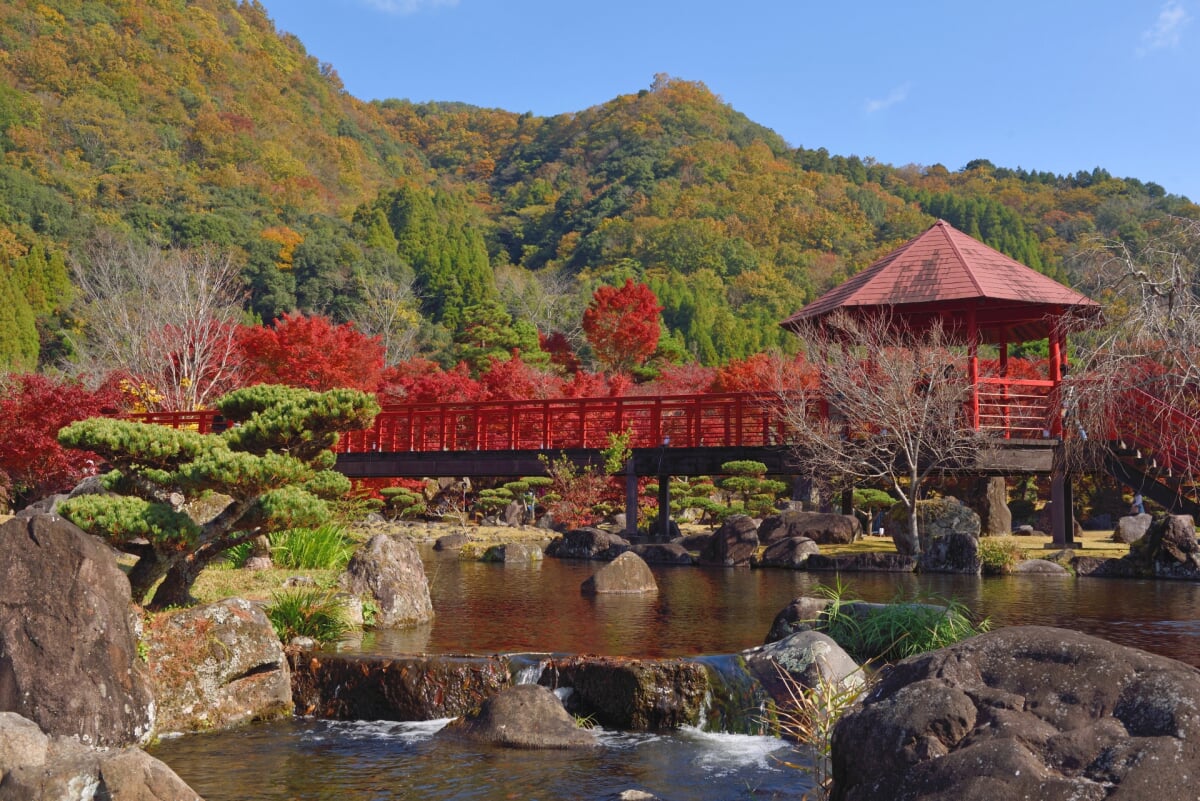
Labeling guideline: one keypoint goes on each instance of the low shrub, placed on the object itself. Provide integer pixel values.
(999, 555)
(308, 612)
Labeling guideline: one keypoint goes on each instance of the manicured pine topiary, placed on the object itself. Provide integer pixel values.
(274, 464)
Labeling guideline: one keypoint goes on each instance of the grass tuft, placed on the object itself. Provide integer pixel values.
(900, 629)
(326, 547)
(308, 612)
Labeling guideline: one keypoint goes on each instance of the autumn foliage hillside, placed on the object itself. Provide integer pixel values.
(200, 124)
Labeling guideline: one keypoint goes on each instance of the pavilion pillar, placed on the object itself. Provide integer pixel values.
(1004, 386)
(631, 498)
(973, 365)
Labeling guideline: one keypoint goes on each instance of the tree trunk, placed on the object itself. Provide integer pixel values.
(147, 570)
(176, 587)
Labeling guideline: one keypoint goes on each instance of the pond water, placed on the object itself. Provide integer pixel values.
(493, 608)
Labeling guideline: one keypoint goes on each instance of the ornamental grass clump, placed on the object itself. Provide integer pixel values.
(308, 612)
(326, 547)
(887, 633)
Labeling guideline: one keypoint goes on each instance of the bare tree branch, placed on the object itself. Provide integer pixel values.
(390, 311)
(166, 317)
(889, 406)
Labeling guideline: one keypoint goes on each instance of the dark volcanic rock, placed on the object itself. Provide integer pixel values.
(524, 716)
(451, 542)
(955, 552)
(664, 553)
(734, 543)
(1024, 713)
(637, 694)
(809, 659)
(68, 635)
(1169, 548)
(792, 552)
(399, 688)
(627, 574)
(820, 527)
(802, 614)
(864, 562)
(587, 543)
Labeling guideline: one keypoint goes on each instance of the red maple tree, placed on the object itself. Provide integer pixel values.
(622, 325)
(313, 353)
(34, 408)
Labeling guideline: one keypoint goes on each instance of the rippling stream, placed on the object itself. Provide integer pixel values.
(493, 608)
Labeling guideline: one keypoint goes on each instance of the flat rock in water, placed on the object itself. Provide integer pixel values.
(524, 716)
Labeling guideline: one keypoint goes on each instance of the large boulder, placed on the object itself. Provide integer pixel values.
(804, 660)
(524, 716)
(388, 569)
(792, 553)
(821, 527)
(956, 552)
(588, 543)
(514, 553)
(1131, 528)
(631, 694)
(936, 518)
(1023, 713)
(1169, 548)
(69, 635)
(989, 499)
(625, 575)
(217, 666)
(734, 543)
(35, 767)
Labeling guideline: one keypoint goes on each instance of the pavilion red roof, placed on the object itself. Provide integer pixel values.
(943, 273)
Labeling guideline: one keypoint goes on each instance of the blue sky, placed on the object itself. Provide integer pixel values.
(1057, 85)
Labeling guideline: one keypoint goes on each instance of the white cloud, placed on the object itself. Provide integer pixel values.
(1167, 29)
(405, 7)
(897, 95)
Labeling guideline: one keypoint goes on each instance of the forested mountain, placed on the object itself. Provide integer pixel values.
(199, 124)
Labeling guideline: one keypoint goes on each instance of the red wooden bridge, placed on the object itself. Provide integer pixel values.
(679, 434)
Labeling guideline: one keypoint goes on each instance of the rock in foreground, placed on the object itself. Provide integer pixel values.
(217, 666)
(68, 637)
(1026, 712)
(35, 767)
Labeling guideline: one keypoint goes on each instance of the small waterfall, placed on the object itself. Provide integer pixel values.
(527, 668)
(736, 702)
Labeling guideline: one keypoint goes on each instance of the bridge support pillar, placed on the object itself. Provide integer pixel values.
(1062, 515)
(631, 498)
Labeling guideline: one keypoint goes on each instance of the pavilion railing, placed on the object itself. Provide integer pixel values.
(1018, 408)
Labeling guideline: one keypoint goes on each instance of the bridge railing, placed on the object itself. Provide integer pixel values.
(1007, 408)
(710, 420)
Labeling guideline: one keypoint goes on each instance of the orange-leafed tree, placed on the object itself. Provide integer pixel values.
(311, 353)
(622, 325)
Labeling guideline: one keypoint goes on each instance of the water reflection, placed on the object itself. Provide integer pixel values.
(496, 608)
